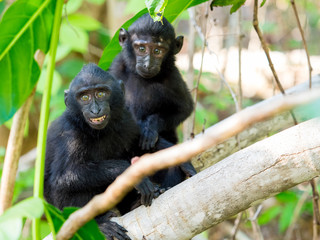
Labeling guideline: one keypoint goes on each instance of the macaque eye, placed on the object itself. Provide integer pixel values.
(85, 97)
(100, 94)
(157, 51)
(142, 49)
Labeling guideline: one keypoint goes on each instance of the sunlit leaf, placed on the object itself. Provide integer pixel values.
(236, 4)
(56, 82)
(263, 2)
(156, 7)
(11, 219)
(84, 21)
(72, 6)
(89, 231)
(25, 27)
(74, 37)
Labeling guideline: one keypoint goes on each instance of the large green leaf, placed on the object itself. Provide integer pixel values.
(171, 12)
(11, 220)
(89, 231)
(25, 27)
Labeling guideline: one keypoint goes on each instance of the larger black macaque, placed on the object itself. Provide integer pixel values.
(155, 92)
(90, 145)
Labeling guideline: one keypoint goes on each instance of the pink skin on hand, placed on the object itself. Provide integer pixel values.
(134, 160)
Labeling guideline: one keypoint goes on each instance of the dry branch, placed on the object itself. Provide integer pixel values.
(150, 163)
(231, 186)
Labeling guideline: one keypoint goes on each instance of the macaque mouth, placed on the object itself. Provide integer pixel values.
(98, 120)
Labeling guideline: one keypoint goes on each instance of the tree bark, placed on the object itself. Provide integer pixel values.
(253, 134)
(230, 186)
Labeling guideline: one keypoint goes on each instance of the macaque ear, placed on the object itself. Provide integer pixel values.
(66, 97)
(178, 42)
(123, 36)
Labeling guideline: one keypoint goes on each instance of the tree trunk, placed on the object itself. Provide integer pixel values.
(230, 186)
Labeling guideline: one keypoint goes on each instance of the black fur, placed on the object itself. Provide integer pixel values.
(159, 100)
(82, 160)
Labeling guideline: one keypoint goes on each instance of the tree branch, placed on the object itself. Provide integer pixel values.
(178, 154)
(231, 186)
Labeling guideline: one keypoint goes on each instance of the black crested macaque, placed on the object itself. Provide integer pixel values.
(90, 145)
(155, 92)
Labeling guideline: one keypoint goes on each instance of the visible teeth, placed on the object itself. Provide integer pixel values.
(99, 119)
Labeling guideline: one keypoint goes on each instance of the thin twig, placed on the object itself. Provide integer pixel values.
(200, 73)
(236, 226)
(303, 40)
(296, 214)
(266, 50)
(255, 226)
(240, 50)
(187, 124)
(211, 52)
(316, 215)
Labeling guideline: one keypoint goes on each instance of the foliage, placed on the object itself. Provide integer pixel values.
(89, 231)
(25, 27)
(11, 221)
(236, 4)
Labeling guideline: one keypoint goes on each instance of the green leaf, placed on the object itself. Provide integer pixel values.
(97, 2)
(70, 68)
(269, 214)
(62, 52)
(25, 27)
(11, 229)
(263, 2)
(287, 196)
(84, 21)
(56, 82)
(236, 4)
(155, 7)
(286, 216)
(89, 231)
(29, 208)
(11, 219)
(74, 37)
(72, 6)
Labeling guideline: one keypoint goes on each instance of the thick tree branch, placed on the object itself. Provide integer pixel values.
(231, 186)
(253, 134)
(150, 163)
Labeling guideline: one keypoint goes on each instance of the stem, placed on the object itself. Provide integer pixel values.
(303, 40)
(240, 50)
(236, 226)
(200, 73)
(44, 114)
(266, 50)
